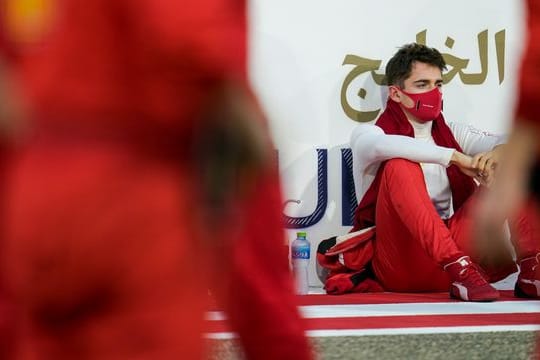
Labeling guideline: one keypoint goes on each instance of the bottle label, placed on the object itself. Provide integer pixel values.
(300, 253)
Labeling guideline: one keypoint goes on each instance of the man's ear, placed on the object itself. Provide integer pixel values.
(394, 93)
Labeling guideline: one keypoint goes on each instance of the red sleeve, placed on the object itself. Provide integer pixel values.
(528, 108)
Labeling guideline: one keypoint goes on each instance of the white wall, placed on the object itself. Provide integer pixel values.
(296, 61)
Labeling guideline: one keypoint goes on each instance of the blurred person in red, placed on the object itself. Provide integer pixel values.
(517, 182)
(146, 164)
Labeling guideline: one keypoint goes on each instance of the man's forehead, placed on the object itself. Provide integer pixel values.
(424, 71)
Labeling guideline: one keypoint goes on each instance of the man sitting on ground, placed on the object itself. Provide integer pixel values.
(414, 177)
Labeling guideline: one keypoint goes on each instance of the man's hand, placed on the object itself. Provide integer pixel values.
(510, 188)
(465, 164)
(486, 163)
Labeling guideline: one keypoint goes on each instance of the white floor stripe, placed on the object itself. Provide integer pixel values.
(453, 308)
(397, 331)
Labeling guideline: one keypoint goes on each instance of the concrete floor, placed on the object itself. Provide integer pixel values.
(496, 345)
(459, 346)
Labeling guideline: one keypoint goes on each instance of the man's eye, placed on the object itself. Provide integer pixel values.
(439, 85)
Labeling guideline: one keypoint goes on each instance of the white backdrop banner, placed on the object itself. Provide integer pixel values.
(317, 67)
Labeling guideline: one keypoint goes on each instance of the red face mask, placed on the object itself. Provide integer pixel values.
(427, 106)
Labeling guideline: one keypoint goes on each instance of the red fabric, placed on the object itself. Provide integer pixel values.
(78, 261)
(105, 255)
(527, 104)
(344, 283)
(393, 121)
(356, 253)
(132, 64)
(4, 48)
(348, 262)
(129, 277)
(527, 229)
(6, 311)
(413, 241)
(527, 107)
(261, 295)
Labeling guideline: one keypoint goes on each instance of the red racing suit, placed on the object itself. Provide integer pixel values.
(105, 254)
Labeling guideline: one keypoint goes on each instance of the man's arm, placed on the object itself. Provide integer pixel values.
(474, 141)
(486, 163)
(371, 145)
(485, 149)
(510, 188)
(466, 165)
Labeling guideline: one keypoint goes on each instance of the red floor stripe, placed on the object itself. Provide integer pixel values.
(390, 322)
(387, 298)
(384, 298)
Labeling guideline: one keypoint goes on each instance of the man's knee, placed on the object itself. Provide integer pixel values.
(400, 163)
(401, 166)
(400, 174)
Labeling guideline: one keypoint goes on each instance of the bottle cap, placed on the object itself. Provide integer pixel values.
(301, 234)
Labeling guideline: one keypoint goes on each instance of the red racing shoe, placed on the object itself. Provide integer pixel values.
(528, 282)
(468, 284)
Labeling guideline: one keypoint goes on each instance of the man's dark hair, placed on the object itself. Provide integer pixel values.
(400, 65)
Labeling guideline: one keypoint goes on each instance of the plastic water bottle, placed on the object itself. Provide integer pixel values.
(300, 253)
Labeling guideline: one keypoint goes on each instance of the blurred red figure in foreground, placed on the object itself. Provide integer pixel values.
(145, 165)
(518, 180)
